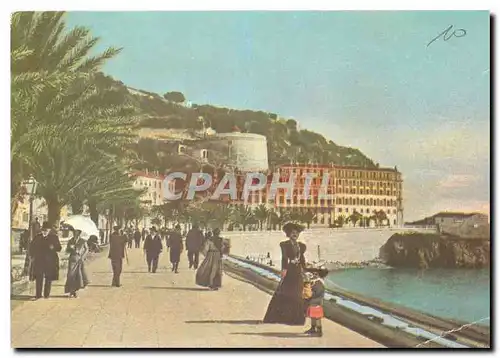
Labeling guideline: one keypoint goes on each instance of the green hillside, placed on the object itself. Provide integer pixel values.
(286, 143)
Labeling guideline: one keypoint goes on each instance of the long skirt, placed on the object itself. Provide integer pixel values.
(76, 278)
(209, 274)
(287, 305)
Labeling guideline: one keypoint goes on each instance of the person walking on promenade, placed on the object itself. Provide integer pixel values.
(76, 278)
(287, 303)
(153, 247)
(210, 272)
(44, 260)
(116, 254)
(130, 238)
(175, 245)
(137, 238)
(194, 241)
(315, 301)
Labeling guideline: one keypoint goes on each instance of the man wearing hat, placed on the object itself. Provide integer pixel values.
(44, 260)
(117, 244)
(153, 247)
(194, 242)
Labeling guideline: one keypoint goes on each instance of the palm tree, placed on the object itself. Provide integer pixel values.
(278, 218)
(355, 217)
(261, 213)
(54, 97)
(340, 220)
(308, 217)
(379, 216)
(243, 216)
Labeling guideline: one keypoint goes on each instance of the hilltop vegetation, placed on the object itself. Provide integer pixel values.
(286, 142)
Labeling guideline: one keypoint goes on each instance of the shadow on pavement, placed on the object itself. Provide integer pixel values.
(271, 334)
(179, 288)
(245, 321)
(30, 297)
(111, 272)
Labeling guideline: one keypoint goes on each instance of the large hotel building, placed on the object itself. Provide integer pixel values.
(365, 190)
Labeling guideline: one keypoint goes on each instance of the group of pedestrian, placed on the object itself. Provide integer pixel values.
(43, 261)
(43, 258)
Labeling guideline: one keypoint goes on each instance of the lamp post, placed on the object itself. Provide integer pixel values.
(31, 185)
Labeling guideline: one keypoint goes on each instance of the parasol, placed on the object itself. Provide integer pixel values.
(83, 223)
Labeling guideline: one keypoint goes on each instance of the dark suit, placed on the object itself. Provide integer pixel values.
(175, 244)
(194, 241)
(137, 239)
(44, 262)
(153, 247)
(116, 254)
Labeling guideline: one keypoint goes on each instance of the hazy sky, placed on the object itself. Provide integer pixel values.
(362, 79)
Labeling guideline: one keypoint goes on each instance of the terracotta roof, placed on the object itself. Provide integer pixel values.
(149, 175)
(333, 166)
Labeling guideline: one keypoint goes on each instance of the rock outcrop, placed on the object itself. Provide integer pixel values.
(418, 250)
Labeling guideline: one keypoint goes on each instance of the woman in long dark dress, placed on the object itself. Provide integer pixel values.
(77, 277)
(209, 274)
(287, 303)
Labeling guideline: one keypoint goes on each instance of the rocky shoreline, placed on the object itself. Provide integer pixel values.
(422, 251)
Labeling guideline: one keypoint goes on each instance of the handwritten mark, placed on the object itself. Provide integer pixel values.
(448, 34)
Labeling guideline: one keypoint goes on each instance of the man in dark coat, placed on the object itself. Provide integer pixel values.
(117, 244)
(153, 247)
(44, 260)
(137, 238)
(175, 244)
(194, 241)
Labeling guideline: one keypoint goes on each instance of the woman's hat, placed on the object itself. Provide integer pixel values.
(288, 227)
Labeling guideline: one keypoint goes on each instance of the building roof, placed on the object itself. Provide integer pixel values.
(442, 214)
(334, 166)
(451, 214)
(149, 175)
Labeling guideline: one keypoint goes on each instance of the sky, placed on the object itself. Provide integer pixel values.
(363, 79)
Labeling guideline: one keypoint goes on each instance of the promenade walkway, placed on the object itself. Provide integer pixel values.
(159, 310)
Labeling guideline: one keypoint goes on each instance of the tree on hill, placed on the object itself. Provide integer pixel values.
(176, 97)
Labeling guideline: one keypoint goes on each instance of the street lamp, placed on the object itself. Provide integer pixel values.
(30, 186)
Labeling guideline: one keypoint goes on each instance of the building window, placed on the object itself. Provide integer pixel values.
(346, 210)
(339, 210)
(361, 211)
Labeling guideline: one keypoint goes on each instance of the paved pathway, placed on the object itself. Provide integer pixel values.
(160, 310)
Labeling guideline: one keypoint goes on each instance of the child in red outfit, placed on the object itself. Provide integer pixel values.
(315, 303)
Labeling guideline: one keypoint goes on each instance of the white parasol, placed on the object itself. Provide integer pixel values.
(83, 223)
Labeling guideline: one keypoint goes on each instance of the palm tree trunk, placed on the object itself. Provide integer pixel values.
(76, 207)
(54, 207)
(94, 214)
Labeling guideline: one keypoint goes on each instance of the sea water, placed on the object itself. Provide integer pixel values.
(447, 293)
